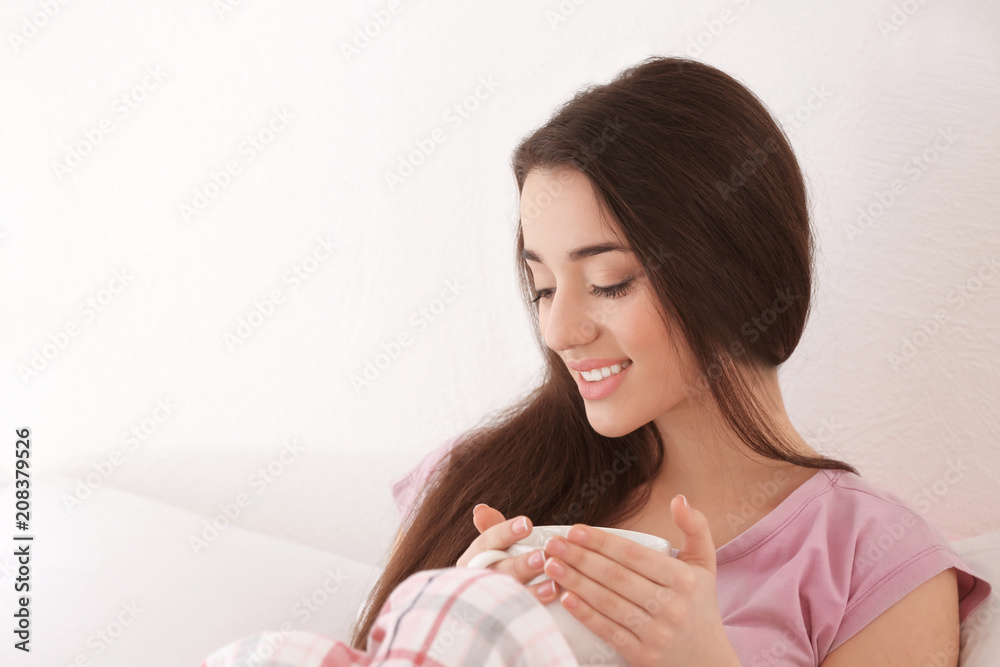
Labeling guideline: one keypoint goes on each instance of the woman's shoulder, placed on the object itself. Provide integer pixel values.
(832, 557)
(874, 520)
(894, 548)
(840, 505)
(859, 526)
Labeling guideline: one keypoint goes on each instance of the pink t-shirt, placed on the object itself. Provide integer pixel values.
(802, 580)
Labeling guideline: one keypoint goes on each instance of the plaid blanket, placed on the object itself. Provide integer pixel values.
(444, 617)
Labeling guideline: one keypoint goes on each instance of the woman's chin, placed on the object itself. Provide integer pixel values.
(609, 424)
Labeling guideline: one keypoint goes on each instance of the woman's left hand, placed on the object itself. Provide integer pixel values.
(653, 608)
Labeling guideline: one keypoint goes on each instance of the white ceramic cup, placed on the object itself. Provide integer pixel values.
(588, 647)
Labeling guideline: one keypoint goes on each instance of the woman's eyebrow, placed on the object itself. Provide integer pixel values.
(578, 253)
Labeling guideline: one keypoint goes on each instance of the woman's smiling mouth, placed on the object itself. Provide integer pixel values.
(598, 378)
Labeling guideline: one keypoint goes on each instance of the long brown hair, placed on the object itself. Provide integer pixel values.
(706, 190)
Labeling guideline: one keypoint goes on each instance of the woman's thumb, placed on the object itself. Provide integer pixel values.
(484, 517)
(698, 547)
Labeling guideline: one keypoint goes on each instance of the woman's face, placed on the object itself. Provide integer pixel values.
(598, 306)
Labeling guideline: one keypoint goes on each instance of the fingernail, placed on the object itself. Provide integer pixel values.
(685, 500)
(555, 546)
(521, 525)
(555, 568)
(536, 560)
(548, 589)
(478, 506)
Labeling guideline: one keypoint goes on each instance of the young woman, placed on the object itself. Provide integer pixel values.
(665, 240)
(665, 254)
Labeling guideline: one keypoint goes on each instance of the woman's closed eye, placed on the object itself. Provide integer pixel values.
(613, 292)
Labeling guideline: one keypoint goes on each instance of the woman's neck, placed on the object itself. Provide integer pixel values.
(706, 461)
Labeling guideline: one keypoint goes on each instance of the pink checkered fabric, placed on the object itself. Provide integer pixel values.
(438, 618)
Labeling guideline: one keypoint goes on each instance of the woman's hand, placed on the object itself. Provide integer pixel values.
(653, 608)
(499, 533)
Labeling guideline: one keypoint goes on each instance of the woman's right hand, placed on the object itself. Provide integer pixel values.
(499, 533)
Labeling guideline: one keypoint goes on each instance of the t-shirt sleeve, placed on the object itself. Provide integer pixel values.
(407, 488)
(895, 550)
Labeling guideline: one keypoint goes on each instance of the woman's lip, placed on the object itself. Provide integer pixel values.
(591, 364)
(595, 391)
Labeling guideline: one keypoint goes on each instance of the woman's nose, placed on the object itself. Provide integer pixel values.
(568, 323)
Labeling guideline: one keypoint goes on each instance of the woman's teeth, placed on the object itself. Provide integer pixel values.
(599, 374)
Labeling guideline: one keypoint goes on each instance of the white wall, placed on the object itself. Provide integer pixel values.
(859, 101)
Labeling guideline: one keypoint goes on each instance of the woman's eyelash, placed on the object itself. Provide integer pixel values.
(540, 294)
(612, 292)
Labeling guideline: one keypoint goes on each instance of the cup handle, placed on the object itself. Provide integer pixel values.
(486, 558)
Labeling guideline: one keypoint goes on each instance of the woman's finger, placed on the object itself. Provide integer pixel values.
(485, 517)
(589, 549)
(546, 592)
(526, 567)
(523, 567)
(499, 537)
(504, 534)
